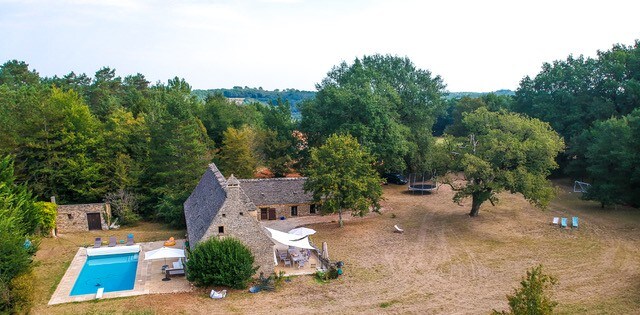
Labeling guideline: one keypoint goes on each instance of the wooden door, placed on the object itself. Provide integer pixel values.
(264, 214)
(94, 221)
(272, 213)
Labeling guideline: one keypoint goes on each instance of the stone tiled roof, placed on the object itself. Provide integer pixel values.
(204, 203)
(276, 191)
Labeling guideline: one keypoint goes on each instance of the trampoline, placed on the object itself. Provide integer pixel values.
(423, 187)
(423, 183)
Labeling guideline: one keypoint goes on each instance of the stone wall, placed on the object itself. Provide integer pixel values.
(236, 218)
(73, 218)
(285, 210)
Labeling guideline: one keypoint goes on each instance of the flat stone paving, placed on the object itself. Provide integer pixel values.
(148, 277)
(311, 267)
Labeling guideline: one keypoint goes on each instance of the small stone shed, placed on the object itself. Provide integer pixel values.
(82, 217)
(218, 207)
(279, 197)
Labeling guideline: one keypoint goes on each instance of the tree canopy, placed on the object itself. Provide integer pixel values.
(573, 94)
(341, 177)
(612, 153)
(385, 102)
(502, 151)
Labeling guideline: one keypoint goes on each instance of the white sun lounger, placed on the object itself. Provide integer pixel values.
(556, 221)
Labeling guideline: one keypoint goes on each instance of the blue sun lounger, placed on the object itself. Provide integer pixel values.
(574, 222)
(563, 223)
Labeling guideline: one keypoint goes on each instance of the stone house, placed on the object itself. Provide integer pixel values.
(82, 217)
(218, 207)
(279, 197)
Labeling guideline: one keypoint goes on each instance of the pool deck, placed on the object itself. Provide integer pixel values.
(148, 277)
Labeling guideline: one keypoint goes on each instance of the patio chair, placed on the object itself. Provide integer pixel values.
(563, 223)
(555, 221)
(112, 241)
(98, 242)
(398, 230)
(130, 239)
(287, 262)
(574, 222)
(301, 264)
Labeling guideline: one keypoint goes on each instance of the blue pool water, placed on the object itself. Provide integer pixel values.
(111, 272)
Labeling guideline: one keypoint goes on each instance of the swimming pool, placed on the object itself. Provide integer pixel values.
(113, 272)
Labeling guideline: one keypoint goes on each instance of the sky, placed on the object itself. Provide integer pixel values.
(472, 45)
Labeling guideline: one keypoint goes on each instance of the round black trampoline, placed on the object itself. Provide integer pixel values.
(422, 187)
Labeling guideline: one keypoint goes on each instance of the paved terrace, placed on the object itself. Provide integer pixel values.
(148, 277)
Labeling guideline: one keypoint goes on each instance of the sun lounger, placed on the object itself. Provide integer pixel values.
(217, 295)
(178, 265)
(398, 230)
(556, 221)
(574, 222)
(129, 239)
(563, 223)
(98, 242)
(174, 272)
(112, 241)
(99, 293)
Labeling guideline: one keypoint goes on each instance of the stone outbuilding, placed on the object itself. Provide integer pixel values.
(279, 197)
(218, 207)
(82, 217)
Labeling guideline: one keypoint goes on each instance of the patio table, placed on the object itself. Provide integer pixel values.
(296, 255)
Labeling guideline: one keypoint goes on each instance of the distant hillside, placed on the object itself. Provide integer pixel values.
(248, 95)
(453, 95)
(259, 95)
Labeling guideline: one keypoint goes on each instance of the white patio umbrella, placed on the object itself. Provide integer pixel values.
(302, 231)
(164, 253)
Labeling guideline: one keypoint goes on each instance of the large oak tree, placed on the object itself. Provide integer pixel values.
(502, 151)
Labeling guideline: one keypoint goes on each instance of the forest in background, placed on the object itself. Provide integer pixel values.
(106, 137)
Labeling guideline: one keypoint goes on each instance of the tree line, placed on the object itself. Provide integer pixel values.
(87, 139)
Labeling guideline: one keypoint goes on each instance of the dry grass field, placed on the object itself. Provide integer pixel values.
(444, 263)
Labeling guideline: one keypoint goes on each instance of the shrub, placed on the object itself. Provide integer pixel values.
(23, 292)
(531, 297)
(16, 295)
(225, 262)
(14, 257)
(124, 206)
(47, 212)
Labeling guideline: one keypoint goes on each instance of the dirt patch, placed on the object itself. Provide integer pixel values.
(445, 262)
